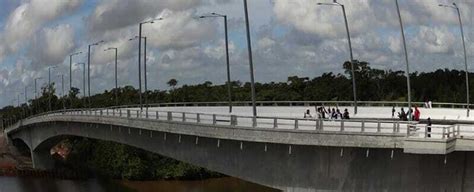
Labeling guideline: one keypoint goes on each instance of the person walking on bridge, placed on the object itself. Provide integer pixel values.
(417, 114)
(402, 115)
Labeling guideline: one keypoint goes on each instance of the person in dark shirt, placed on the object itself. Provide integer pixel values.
(346, 114)
(393, 111)
(402, 115)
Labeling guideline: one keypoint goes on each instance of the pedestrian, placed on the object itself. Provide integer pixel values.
(307, 114)
(402, 115)
(333, 114)
(417, 114)
(346, 114)
(393, 111)
(428, 128)
(338, 114)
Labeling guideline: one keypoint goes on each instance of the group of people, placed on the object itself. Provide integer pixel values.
(323, 113)
(404, 116)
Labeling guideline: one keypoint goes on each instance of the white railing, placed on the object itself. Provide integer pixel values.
(369, 127)
(300, 103)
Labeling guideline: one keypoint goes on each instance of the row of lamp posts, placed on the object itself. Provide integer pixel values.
(252, 78)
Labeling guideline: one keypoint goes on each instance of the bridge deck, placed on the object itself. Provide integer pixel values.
(370, 122)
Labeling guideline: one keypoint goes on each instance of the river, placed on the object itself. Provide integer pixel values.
(227, 184)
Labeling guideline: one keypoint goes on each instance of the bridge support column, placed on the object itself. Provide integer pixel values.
(42, 160)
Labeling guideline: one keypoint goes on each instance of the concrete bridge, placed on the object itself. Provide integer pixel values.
(280, 151)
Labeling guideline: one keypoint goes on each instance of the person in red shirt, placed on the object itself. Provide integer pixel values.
(417, 114)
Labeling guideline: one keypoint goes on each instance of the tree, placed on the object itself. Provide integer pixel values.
(173, 83)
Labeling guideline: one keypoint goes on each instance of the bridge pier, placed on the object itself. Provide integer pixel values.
(42, 159)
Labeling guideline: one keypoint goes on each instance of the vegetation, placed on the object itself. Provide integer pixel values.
(120, 161)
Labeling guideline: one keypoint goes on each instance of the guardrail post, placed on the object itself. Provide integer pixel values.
(362, 127)
(342, 125)
(317, 124)
(321, 124)
(214, 119)
(120, 112)
(296, 123)
(275, 123)
(157, 115)
(100, 113)
(426, 131)
(398, 127)
(378, 127)
(198, 118)
(444, 132)
(107, 112)
(458, 130)
(170, 116)
(254, 121)
(146, 113)
(113, 112)
(233, 120)
(128, 114)
(138, 114)
(184, 117)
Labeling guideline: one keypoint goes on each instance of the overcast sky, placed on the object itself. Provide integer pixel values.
(289, 37)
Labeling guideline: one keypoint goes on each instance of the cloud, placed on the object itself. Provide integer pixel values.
(116, 14)
(30, 16)
(51, 46)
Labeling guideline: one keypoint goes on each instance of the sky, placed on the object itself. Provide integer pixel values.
(289, 37)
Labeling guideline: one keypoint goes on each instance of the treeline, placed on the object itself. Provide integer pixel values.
(372, 85)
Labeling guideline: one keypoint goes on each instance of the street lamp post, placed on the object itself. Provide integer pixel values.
(116, 81)
(354, 89)
(406, 60)
(62, 90)
(140, 58)
(252, 78)
(26, 95)
(455, 6)
(36, 93)
(89, 67)
(229, 86)
(49, 86)
(70, 68)
(83, 80)
(144, 68)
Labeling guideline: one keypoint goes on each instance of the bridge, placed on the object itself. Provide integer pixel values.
(372, 151)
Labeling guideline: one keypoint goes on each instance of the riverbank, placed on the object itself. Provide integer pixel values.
(10, 157)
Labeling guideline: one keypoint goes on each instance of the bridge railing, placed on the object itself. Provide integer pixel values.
(262, 122)
(409, 129)
(299, 103)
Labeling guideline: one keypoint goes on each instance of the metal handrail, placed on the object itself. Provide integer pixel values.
(297, 103)
(275, 122)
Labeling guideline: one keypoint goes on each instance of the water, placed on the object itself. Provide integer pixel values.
(16, 184)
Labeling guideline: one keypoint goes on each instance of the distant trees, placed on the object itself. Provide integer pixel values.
(372, 85)
(172, 83)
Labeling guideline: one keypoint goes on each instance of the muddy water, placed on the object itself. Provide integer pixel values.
(227, 184)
